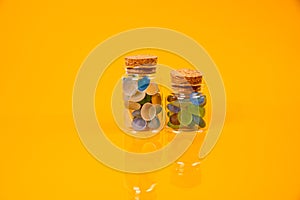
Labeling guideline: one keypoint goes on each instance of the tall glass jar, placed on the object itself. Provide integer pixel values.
(143, 113)
(144, 118)
(186, 105)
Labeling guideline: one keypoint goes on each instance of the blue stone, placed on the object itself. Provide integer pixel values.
(136, 113)
(154, 123)
(158, 109)
(198, 99)
(199, 121)
(173, 109)
(143, 83)
(138, 124)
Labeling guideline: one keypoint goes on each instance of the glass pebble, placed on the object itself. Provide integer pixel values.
(173, 108)
(136, 113)
(196, 110)
(174, 119)
(185, 118)
(172, 125)
(154, 123)
(138, 124)
(199, 121)
(158, 109)
(148, 111)
(152, 89)
(156, 99)
(169, 114)
(130, 86)
(171, 98)
(143, 83)
(133, 105)
(198, 99)
(146, 99)
(138, 96)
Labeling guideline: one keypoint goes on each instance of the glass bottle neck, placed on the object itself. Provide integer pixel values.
(141, 70)
(139, 76)
(184, 90)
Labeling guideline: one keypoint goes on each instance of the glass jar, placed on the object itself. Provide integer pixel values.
(143, 113)
(185, 107)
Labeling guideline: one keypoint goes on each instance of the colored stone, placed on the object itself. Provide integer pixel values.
(146, 99)
(191, 125)
(185, 118)
(196, 110)
(202, 101)
(136, 113)
(138, 124)
(156, 99)
(152, 89)
(173, 108)
(133, 105)
(171, 98)
(158, 108)
(199, 121)
(130, 86)
(198, 99)
(148, 111)
(174, 119)
(138, 96)
(143, 83)
(154, 123)
(173, 126)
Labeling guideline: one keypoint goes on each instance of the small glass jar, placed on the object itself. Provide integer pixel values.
(185, 107)
(144, 115)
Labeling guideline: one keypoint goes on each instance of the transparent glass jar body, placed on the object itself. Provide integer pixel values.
(186, 108)
(143, 111)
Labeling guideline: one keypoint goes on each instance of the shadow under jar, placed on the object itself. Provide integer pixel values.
(186, 105)
(143, 113)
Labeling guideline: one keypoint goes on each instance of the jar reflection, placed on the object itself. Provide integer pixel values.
(142, 185)
(186, 171)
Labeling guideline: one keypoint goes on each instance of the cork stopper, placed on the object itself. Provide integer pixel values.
(186, 76)
(141, 60)
(186, 80)
(141, 64)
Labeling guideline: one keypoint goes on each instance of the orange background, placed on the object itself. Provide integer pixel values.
(255, 44)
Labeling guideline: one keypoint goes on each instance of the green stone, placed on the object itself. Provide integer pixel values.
(199, 121)
(185, 118)
(146, 99)
(196, 110)
(173, 126)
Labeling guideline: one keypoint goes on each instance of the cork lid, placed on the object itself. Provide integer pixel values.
(141, 60)
(186, 76)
